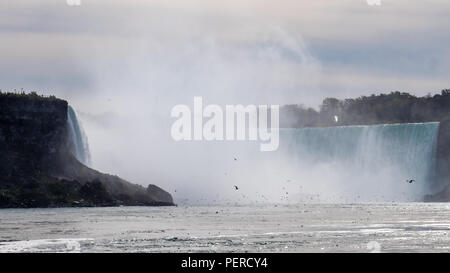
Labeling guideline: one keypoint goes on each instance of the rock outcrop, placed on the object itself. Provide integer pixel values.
(442, 196)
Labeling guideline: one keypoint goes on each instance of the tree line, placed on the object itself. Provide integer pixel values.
(395, 107)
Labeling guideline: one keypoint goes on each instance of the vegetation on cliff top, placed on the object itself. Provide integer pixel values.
(395, 107)
(31, 96)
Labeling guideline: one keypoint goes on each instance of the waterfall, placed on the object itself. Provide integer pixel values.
(78, 140)
(367, 162)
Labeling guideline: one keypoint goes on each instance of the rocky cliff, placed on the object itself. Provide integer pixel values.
(37, 168)
(443, 164)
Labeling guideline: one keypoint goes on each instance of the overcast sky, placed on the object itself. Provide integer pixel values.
(123, 64)
(294, 51)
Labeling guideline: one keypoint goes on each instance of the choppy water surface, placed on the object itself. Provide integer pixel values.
(411, 227)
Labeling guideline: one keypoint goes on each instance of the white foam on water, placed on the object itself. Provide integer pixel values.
(379, 230)
(71, 245)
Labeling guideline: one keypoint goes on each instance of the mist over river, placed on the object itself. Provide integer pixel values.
(377, 227)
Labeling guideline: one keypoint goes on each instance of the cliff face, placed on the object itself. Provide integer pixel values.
(37, 169)
(32, 134)
(443, 152)
(443, 164)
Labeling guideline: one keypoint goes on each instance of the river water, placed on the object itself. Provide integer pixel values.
(387, 227)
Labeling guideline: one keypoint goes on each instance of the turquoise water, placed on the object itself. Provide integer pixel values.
(368, 156)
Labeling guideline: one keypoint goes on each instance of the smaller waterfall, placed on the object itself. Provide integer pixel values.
(78, 140)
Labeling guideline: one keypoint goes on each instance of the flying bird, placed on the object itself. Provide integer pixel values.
(236, 188)
(410, 181)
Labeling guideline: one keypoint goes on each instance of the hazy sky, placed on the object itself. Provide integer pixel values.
(124, 63)
(304, 50)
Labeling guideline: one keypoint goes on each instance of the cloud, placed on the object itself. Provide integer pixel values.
(398, 38)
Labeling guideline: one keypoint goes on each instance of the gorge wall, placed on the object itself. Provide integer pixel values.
(442, 164)
(38, 169)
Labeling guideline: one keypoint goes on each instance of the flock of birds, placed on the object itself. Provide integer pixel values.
(236, 188)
